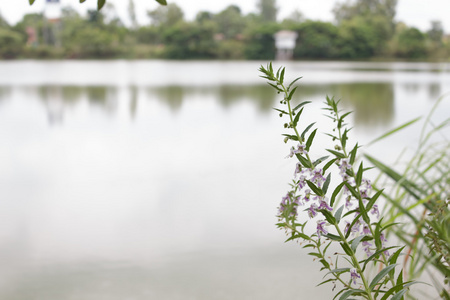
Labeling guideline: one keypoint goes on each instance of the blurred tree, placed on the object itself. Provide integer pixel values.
(267, 10)
(189, 41)
(436, 33)
(373, 11)
(11, 43)
(132, 14)
(411, 43)
(316, 40)
(166, 16)
(230, 22)
(259, 41)
(203, 16)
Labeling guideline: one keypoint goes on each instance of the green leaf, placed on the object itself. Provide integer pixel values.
(352, 190)
(310, 140)
(344, 139)
(100, 4)
(347, 249)
(275, 87)
(297, 117)
(399, 295)
(333, 237)
(396, 254)
(373, 199)
(348, 293)
(82, 1)
(353, 154)
(329, 164)
(302, 136)
(162, 2)
(328, 216)
(297, 236)
(314, 188)
(337, 154)
(31, 2)
(359, 174)
(282, 75)
(395, 130)
(338, 271)
(291, 137)
(326, 183)
(380, 275)
(306, 163)
(300, 105)
(407, 185)
(328, 280)
(281, 111)
(319, 160)
(356, 242)
(375, 255)
(294, 81)
(338, 214)
(291, 94)
(335, 193)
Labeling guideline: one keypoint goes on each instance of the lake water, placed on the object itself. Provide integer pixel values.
(160, 180)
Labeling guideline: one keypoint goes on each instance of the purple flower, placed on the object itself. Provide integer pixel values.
(375, 211)
(324, 205)
(291, 153)
(366, 229)
(317, 177)
(307, 195)
(366, 246)
(354, 275)
(298, 169)
(320, 228)
(301, 149)
(383, 243)
(302, 182)
(344, 166)
(367, 183)
(348, 203)
(312, 211)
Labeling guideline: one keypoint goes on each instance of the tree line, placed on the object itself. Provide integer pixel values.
(362, 29)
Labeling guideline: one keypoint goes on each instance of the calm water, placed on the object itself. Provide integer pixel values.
(160, 180)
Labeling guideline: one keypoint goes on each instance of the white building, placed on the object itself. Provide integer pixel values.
(285, 44)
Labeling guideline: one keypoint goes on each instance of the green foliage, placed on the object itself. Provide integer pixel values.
(411, 43)
(189, 40)
(419, 198)
(364, 29)
(311, 189)
(101, 3)
(267, 10)
(259, 41)
(166, 16)
(11, 43)
(316, 39)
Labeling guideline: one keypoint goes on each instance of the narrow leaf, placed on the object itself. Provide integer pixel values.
(162, 2)
(338, 214)
(356, 242)
(100, 4)
(395, 130)
(380, 275)
(310, 140)
(326, 183)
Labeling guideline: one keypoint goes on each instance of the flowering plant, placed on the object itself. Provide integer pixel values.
(354, 226)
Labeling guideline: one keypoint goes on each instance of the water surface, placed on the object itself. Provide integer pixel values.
(160, 180)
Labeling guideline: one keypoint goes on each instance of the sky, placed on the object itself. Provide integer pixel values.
(417, 13)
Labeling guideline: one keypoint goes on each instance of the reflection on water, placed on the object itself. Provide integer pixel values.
(372, 103)
(165, 186)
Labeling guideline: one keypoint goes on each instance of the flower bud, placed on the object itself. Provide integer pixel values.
(286, 139)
